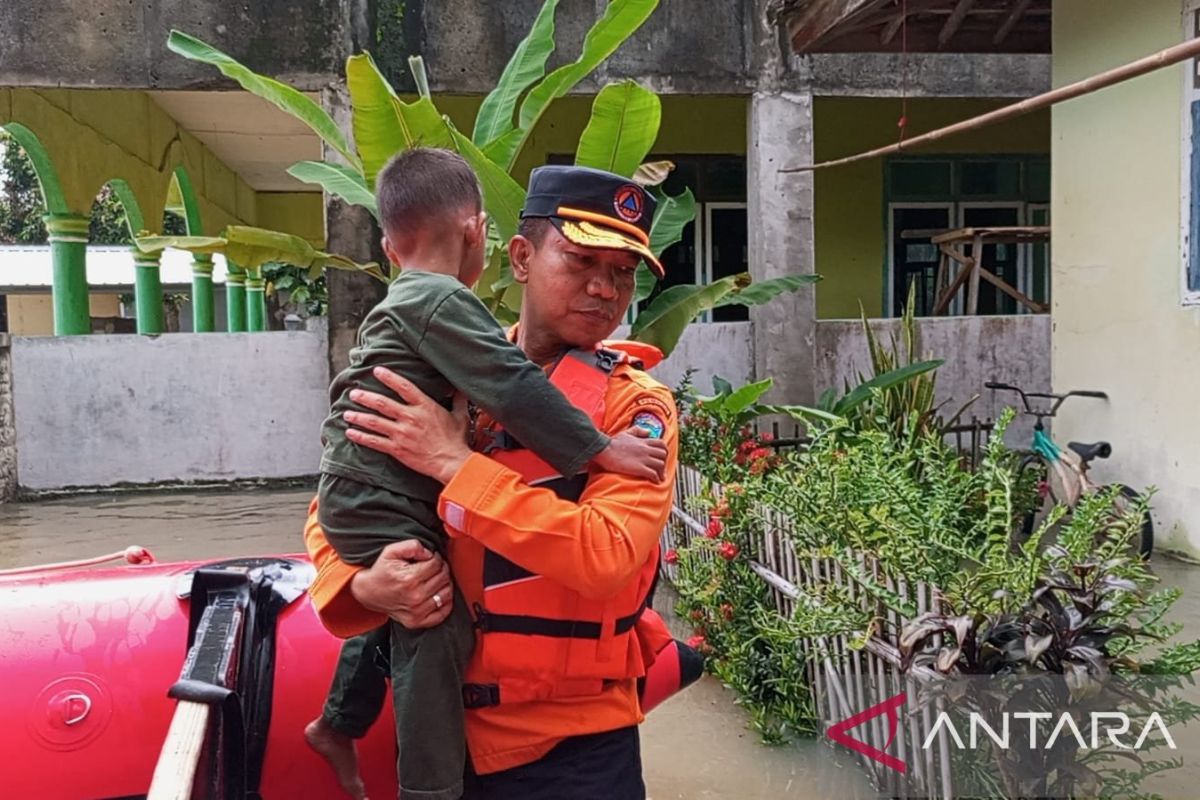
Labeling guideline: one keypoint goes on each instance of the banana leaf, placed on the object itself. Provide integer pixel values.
(250, 248)
(760, 292)
(745, 396)
(383, 123)
(622, 129)
(527, 66)
(502, 195)
(653, 173)
(665, 320)
(620, 20)
(279, 94)
(338, 181)
(644, 283)
(670, 218)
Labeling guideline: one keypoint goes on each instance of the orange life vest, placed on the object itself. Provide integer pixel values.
(539, 639)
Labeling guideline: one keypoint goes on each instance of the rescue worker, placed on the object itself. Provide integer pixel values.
(558, 578)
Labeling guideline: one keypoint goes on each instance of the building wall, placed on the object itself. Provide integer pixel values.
(1119, 323)
(108, 410)
(1012, 349)
(851, 223)
(33, 314)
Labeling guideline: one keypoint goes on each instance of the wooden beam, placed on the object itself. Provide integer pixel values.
(1102, 80)
(953, 21)
(1011, 20)
(892, 28)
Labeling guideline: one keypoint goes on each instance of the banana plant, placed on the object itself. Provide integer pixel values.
(622, 129)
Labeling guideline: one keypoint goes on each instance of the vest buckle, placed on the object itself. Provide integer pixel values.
(480, 695)
(606, 359)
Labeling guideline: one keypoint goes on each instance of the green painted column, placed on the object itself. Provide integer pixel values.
(202, 293)
(235, 299)
(256, 303)
(147, 292)
(69, 288)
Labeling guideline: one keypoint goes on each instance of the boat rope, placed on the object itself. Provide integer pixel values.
(134, 554)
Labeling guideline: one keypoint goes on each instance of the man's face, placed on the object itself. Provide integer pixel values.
(578, 294)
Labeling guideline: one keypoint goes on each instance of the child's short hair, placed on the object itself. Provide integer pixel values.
(421, 185)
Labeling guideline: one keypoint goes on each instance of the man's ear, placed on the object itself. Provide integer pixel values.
(520, 251)
(475, 229)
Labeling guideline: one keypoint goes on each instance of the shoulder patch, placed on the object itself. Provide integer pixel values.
(650, 422)
(648, 403)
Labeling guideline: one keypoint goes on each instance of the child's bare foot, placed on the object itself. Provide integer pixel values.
(339, 750)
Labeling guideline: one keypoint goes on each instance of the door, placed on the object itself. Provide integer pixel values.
(1002, 260)
(914, 259)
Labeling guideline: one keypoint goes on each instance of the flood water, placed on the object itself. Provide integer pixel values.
(697, 746)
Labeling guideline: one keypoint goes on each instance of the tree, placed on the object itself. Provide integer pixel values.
(620, 133)
(21, 205)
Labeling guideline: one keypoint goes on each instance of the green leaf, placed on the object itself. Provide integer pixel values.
(502, 195)
(761, 292)
(644, 283)
(722, 387)
(670, 218)
(622, 129)
(416, 65)
(527, 65)
(802, 413)
(383, 123)
(251, 248)
(281, 95)
(653, 173)
(620, 20)
(338, 181)
(895, 377)
(746, 396)
(665, 320)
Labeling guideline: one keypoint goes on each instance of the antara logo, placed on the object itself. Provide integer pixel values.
(1110, 726)
(837, 732)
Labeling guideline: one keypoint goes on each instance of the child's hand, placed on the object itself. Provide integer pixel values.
(633, 453)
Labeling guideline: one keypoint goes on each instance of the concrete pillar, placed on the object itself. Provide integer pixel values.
(8, 429)
(235, 298)
(202, 294)
(780, 209)
(147, 292)
(349, 231)
(68, 235)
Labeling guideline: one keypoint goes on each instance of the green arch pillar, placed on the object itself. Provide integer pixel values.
(202, 293)
(69, 287)
(235, 298)
(256, 302)
(147, 292)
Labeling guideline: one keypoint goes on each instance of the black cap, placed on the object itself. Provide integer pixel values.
(594, 208)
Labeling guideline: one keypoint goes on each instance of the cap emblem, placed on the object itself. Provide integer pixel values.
(628, 203)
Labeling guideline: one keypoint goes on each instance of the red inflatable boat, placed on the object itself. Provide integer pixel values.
(90, 661)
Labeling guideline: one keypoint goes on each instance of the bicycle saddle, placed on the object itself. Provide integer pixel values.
(1091, 451)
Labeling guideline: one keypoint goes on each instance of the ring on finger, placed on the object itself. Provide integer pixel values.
(437, 600)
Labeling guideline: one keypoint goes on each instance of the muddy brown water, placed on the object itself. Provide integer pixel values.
(697, 746)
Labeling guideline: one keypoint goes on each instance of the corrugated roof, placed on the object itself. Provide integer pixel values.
(30, 267)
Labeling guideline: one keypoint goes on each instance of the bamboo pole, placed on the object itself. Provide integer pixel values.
(1134, 69)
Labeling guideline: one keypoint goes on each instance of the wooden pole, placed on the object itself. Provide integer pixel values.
(176, 769)
(1134, 69)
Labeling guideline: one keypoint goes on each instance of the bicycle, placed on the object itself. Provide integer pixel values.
(1063, 473)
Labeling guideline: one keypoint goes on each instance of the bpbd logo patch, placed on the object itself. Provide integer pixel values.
(629, 204)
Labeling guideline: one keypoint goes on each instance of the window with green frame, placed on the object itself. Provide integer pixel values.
(935, 193)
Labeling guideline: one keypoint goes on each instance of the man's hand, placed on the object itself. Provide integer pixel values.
(422, 435)
(633, 453)
(403, 583)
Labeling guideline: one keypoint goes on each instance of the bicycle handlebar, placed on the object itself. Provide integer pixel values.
(1058, 399)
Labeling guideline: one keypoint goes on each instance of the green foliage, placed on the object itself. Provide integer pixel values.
(21, 205)
(252, 248)
(623, 127)
(303, 291)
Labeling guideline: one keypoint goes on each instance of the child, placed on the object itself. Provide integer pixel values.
(432, 330)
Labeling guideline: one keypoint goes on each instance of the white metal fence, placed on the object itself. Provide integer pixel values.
(845, 679)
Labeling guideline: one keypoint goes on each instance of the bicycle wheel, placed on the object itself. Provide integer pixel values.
(1126, 496)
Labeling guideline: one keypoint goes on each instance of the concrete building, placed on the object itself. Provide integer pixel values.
(747, 89)
(1125, 266)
